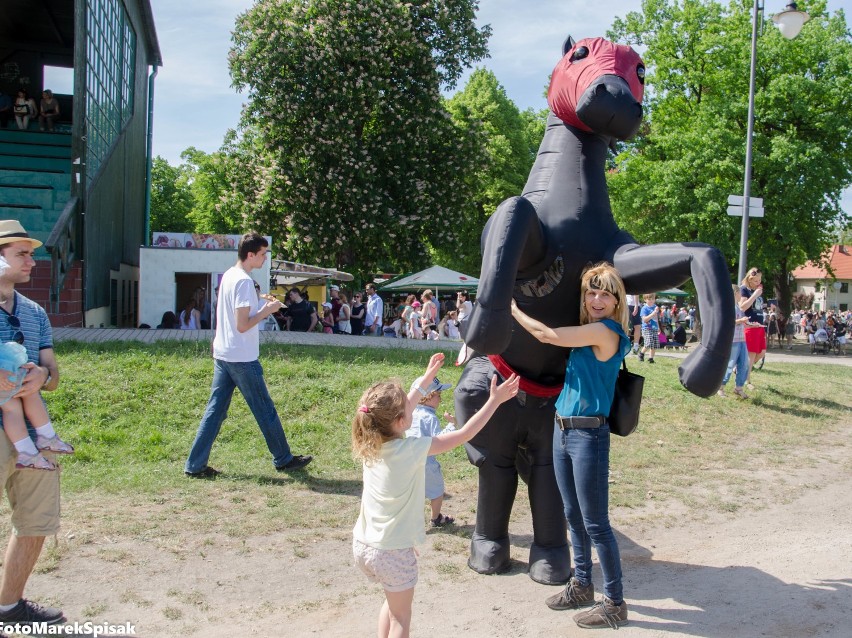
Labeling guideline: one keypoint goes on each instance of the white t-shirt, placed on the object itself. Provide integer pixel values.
(465, 308)
(236, 290)
(394, 491)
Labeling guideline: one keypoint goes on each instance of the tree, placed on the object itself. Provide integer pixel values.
(171, 198)
(672, 182)
(354, 159)
(211, 178)
(503, 160)
(802, 300)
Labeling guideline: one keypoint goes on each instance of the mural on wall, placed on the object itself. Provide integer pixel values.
(197, 240)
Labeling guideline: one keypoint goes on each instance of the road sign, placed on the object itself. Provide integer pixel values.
(737, 211)
(753, 202)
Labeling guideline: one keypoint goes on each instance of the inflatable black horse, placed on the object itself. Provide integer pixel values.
(534, 250)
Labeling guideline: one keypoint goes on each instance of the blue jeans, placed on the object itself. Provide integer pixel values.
(739, 358)
(248, 377)
(581, 464)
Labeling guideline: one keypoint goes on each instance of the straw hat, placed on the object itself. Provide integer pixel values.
(12, 231)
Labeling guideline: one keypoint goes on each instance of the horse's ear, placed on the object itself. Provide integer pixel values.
(568, 45)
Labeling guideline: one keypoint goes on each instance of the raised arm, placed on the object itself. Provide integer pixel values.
(435, 363)
(512, 241)
(604, 341)
(660, 266)
(499, 394)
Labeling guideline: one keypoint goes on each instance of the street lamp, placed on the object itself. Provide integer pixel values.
(790, 22)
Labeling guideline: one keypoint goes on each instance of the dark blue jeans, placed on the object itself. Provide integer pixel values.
(248, 377)
(581, 463)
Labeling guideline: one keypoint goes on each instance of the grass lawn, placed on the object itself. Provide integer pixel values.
(132, 411)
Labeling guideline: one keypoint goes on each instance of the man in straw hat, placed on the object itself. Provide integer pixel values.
(33, 495)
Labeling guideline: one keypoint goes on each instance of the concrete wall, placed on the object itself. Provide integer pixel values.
(158, 266)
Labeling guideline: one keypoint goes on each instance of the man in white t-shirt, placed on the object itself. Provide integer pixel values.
(375, 312)
(236, 349)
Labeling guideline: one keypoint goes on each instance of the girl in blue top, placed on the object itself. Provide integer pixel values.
(581, 440)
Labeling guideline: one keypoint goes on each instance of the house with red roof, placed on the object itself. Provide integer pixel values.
(831, 291)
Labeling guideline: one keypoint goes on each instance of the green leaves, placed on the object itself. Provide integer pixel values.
(353, 159)
(672, 182)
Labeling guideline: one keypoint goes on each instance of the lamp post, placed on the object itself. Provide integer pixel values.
(790, 22)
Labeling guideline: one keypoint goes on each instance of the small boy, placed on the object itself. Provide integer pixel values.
(650, 313)
(432, 332)
(424, 422)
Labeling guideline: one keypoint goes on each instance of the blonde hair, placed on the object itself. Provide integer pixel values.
(604, 276)
(378, 409)
(750, 274)
(427, 294)
(428, 397)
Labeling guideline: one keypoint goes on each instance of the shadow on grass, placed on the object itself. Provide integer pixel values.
(814, 404)
(339, 487)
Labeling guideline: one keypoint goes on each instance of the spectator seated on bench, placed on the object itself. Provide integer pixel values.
(674, 340)
(679, 338)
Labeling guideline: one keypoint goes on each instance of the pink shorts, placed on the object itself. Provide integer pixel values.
(393, 569)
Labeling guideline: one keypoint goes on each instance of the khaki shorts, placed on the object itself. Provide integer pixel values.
(393, 569)
(33, 494)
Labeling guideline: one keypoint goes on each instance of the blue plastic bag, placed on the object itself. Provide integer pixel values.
(12, 357)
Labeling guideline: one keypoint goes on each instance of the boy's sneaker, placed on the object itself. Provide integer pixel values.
(33, 462)
(296, 463)
(651, 360)
(603, 614)
(574, 596)
(53, 444)
(27, 613)
(641, 356)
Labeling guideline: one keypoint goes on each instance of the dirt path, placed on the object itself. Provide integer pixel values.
(781, 566)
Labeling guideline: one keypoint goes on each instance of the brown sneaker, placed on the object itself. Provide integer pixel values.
(603, 614)
(573, 596)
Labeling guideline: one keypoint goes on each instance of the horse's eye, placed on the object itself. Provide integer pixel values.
(640, 73)
(579, 54)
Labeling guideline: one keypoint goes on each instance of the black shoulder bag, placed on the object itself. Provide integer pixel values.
(624, 413)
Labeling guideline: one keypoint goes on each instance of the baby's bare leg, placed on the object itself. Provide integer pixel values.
(13, 420)
(34, 410)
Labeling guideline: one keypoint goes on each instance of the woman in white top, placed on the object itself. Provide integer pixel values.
(344, 315)
(190, 317)
(25, 108)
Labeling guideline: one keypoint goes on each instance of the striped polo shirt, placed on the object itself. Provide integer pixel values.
(35, 327)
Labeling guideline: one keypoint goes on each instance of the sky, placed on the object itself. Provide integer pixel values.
(194, 103)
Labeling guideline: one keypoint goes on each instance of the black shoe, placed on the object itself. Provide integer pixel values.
(641, 356)
(27, 613)
(651, 360)
(207, 472)
(296, 463)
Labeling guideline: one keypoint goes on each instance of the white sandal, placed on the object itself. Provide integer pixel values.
(33, 462)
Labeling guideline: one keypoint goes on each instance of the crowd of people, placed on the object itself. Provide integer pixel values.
(367, 314)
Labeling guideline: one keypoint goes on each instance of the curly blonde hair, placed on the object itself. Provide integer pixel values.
(604, 276)
(378, 409)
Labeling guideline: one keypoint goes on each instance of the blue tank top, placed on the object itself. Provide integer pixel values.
(589, 383)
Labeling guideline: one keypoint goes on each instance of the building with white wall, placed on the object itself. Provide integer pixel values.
(169, 275)
(831, 291)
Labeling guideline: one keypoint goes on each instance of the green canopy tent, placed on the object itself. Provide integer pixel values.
(436, 277)
(673, 292)
(670, 296)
